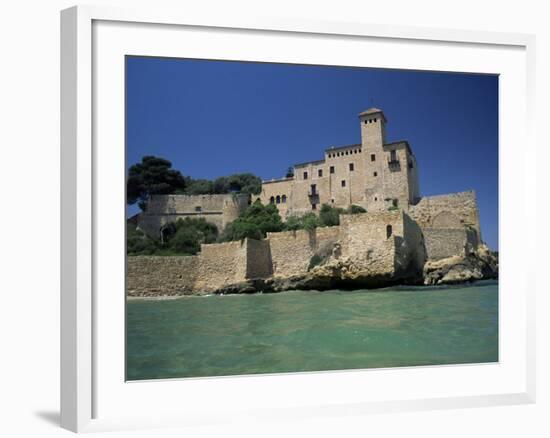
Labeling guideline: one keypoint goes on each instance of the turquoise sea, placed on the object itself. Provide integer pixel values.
(311, 331)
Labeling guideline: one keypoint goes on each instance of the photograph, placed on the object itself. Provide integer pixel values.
(289, 218)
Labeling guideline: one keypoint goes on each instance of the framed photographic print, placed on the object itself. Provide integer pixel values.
(257, 208)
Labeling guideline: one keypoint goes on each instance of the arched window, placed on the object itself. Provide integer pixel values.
(388, 231)
(278, 199)
(283, 199)
(272, 200)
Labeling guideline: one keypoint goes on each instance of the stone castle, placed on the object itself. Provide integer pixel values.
(396, 240)
(373, 174)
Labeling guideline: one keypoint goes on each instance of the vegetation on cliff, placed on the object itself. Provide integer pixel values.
(255, 222)
(328, 217)
(184, 237)
(138, 243)
(236, 183)
(258, 220)
(155, 176)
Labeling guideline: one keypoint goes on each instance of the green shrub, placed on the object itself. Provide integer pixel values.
(293, 223)
(186, 241)
(255, 222)
(329, 216)
(314, 261)
(184, 237)
(355, 209)
(208, 231)
(310, 221)
(137, 243)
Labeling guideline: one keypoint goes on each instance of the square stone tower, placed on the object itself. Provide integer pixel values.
(391, 174)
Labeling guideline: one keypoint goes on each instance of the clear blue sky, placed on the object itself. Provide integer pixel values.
(214, 118)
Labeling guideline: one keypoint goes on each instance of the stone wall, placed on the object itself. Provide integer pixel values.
(154, 275)
(369, 248)
(258, 259)
(291, 252)
(216, 265)
(221, 264)
(447, 242)
(366, 239)
(219, 210)
(411, 251)
(282, 189)
(456, 210)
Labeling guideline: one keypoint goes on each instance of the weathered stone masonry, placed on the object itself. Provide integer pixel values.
(219, 210)
(382, 245)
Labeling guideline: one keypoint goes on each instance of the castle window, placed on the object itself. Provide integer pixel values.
(394, 202)
(198, 208)
(314, 206)
(389, 231)
(393, 155)
(374, 121)
(351, 167)
(372, 157)
(347, 152)
(359, 150)
(332, 200)
(278, 199)
(343, 183)
(375, 198)
(410, 164)
(272, 200)
(305, 175)
(320, 173)
(283, 199)
(331, 169)
(375, 173)
(366, 121)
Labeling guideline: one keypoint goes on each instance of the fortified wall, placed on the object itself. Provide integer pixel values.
(155, 275)
(454, 210)
(291, 251)
(219, 210)
(449, 223)
(446, 242)
(217, 265)
(381, 245)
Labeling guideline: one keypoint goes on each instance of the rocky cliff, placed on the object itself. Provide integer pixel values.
(477, 265)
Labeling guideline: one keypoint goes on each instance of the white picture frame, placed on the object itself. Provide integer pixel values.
(87, 378)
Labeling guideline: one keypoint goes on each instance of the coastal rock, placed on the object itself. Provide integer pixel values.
(477, 265)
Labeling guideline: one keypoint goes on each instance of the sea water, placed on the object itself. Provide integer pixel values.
(311, 331)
